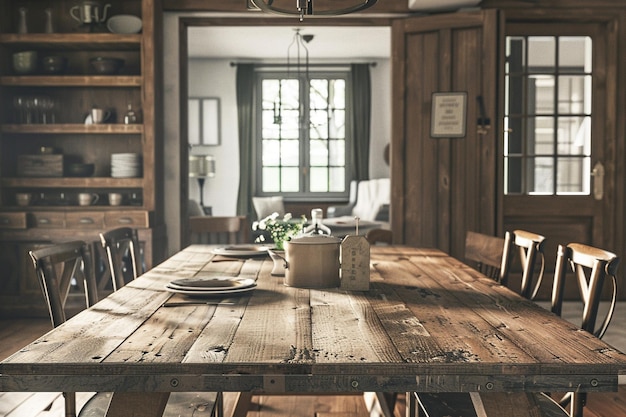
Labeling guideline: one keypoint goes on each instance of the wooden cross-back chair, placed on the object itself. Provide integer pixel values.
(219, 229)
(529, 247)
(591, 267)
(376, 236)
(56, 267)
(485, 253)
(120, 244)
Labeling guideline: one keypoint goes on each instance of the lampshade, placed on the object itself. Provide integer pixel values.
(201, 166)
(305, 8)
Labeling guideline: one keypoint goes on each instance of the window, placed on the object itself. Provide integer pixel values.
(303, 140)
(547, 147)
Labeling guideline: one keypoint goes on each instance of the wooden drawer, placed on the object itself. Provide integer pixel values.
(84, 220)
(48, 219)
(13, 220)
(126, 218)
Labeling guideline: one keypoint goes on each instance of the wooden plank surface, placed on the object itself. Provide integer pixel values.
(428, 323)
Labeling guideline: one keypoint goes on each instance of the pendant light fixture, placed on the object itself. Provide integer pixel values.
(305, 8)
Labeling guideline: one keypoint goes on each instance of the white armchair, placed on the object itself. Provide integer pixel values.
(369, 200)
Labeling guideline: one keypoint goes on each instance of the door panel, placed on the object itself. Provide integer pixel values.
(443, 187)
(567, 218)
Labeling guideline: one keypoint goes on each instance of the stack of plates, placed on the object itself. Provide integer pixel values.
(125, 165)
(211, 286)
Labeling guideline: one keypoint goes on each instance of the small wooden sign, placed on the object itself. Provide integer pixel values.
(448, 115)
(355, 263)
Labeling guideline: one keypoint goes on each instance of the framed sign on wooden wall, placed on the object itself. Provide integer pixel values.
(204, 120)
(448, 115)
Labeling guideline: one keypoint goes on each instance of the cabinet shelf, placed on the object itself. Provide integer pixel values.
(72, 182)
(70, 128)
(69, 41)
(73, 80)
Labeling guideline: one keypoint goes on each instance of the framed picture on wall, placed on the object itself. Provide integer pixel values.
(204, 120)
(448, 115)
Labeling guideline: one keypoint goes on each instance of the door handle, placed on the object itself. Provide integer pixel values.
(598, 180)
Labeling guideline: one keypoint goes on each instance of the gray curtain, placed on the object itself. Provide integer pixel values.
(245, 113)
(361, 104)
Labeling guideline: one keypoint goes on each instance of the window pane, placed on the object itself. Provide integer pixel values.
(574, 136)
(513, 183)
(575, 53)
(337, 94)
(540, 94)
(271, 152)
(290, 153)
(270, 128)
(541, 54)
(337, 179)
(290, 127)
(516, 54)
(540, 175)
(319, 124)
(290, 180)
(574, 94)
(541, 136)
(319, 153)
(573, 175)
(337, 150)
(319, 179)
(271, 179)
(337, 124)
(319, 94)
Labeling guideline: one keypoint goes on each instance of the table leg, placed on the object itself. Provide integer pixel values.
(242, 404)
(137, 404)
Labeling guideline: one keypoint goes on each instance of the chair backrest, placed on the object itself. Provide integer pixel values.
(375, 236)
(219, 230)
(371, 196)
(122, 248)
(485, 253)
(530, 249)
(591, 267)
(56, 266)
(266, 206)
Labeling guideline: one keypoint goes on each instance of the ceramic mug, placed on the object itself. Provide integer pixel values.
(99, 115)
(87, 199)
(23, 199)
(115, 199)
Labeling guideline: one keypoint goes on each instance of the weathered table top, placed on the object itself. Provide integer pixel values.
(428, 323)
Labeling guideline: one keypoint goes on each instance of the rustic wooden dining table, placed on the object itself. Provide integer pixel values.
(428, 323)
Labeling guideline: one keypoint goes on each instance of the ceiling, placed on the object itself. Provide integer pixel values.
(272, 42)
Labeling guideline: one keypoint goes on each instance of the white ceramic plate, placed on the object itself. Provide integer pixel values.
(210, 293)
(242, 250)
(124, 23)
(212, 283)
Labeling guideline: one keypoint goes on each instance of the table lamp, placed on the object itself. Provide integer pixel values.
(201, 167)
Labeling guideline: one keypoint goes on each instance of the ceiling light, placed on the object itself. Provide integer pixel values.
(305, 8)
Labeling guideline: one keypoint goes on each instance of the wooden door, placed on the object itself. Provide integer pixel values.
(444, 186)
(560, 131)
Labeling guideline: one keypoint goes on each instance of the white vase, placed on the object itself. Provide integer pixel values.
(278, 256)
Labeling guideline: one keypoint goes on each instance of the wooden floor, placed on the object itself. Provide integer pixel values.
(16, 333)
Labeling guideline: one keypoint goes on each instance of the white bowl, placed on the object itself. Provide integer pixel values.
(124, 23)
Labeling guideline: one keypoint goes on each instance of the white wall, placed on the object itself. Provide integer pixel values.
(216, 78)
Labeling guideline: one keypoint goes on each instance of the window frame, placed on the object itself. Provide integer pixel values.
(304, 147)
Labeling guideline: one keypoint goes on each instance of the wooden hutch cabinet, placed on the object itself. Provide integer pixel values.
(46, 127)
